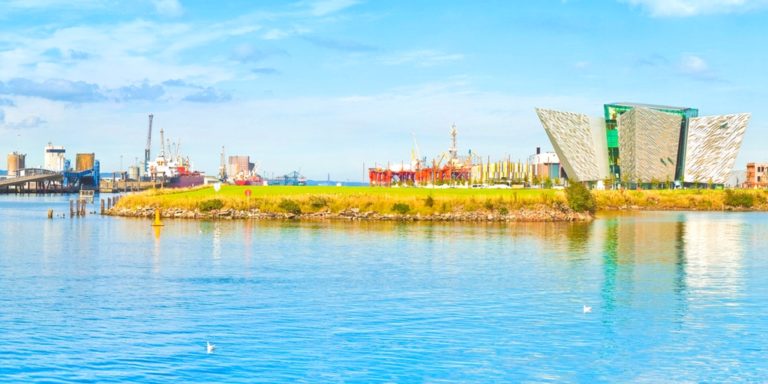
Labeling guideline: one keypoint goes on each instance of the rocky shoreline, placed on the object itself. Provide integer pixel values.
(541, 214)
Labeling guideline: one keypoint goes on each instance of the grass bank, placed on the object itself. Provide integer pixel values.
(429, 204)
(688, 199)
(314, 199)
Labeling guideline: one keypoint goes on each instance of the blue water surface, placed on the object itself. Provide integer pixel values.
(676, 297)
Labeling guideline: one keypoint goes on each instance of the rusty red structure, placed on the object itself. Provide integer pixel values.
(448, 174)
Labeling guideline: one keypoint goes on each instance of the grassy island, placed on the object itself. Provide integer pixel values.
(420, 203)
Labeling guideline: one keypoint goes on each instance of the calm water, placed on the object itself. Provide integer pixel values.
(675, 297)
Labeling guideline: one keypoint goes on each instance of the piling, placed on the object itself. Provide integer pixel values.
(102, 206)
(71, 208)
(50, 213)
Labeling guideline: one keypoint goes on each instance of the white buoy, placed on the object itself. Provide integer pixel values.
(209, 347)
(586, 309)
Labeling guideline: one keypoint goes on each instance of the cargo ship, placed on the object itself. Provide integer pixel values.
(176, 172)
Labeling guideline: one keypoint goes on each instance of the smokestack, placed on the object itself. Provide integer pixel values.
(538, 150)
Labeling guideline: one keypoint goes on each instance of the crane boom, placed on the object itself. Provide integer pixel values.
(149, 144)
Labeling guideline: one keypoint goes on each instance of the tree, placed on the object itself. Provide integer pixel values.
(535, 180)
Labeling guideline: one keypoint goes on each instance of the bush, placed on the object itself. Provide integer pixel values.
(210, 205)
(290, 206)
(401, 208)
(503, 211)
(318, 202)
(429, 202)
(741, 199)
(580, 199)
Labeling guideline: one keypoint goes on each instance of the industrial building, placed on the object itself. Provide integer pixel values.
(757, 175)
(16, 162)
(54, 158)
(645, 143)
(239, 166)
(546, 165)
(451, 169)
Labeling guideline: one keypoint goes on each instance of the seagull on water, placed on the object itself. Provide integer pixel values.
(209, 347)
(586, 309)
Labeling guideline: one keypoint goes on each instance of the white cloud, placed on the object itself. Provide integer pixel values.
(696, 67)
(686, 8)
(422, 58)
(47, 4)
(171, 8)
(326, 7)
(693, 64)
(582, 64)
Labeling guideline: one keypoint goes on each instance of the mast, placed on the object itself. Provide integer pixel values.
(149, 145)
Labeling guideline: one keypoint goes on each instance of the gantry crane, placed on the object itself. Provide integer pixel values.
(149, 144)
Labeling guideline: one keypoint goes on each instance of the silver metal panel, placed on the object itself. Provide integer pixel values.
(579, 141)
(648, 144)
(712, 147)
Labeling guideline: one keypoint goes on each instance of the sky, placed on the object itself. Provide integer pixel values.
(329, 87)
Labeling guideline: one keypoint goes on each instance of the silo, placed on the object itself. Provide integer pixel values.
(133, 172)
(84, 161)
(16, 163)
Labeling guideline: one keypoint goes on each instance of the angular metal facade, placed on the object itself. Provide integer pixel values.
(648, 143)
(712, 147)
(580, 143)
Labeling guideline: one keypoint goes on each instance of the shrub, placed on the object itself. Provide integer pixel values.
(210, 205)
(488, 205)
(290, 206)
(739, 199)
(401, 208)
(318, 202)
(580, 199)
(429, 202)
(503, 211)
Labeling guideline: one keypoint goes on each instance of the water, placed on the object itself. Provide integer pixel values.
(676, 297)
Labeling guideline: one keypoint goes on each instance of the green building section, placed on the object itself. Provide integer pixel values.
(612, 113)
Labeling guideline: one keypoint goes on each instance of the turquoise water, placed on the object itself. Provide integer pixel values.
(675, 297)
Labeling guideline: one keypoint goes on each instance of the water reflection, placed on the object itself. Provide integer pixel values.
(665, 257)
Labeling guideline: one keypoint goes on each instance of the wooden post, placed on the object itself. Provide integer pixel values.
(50, 213)
(102, 206)
(71, 208)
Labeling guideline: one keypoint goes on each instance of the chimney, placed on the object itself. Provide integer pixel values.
(538, 150)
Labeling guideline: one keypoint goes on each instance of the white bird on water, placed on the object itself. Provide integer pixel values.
(209, 347)
(586, 309)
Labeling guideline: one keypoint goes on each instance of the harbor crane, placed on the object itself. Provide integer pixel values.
(149, 145)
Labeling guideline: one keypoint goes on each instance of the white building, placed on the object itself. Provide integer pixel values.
(54, 158)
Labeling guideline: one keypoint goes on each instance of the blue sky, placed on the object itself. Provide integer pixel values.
(326, 86)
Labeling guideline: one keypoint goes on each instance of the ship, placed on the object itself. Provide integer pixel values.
(175, 171)
(253, 179)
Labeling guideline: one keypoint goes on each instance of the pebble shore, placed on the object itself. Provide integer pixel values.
(541, 214)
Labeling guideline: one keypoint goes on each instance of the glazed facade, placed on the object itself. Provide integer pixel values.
(645, 143)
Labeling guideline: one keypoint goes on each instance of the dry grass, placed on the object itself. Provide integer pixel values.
(689, 199)
(310, 199)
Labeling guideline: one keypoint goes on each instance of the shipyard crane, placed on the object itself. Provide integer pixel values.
(222, 166)
(149, 145)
